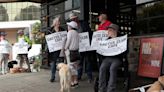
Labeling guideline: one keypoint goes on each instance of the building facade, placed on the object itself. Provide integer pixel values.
(138, 18)
(18, 15)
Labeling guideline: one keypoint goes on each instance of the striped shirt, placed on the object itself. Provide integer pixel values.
(72, 42)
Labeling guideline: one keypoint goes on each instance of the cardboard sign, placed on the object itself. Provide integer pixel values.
(97, 37)
(151, 57)
(84, 44)
(112, 47)
(55, 41)
(35, 50)
(21, 48)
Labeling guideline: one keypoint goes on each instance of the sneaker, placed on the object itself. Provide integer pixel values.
(76, 85)
(72, 85)
(52, 80)
(28, 71)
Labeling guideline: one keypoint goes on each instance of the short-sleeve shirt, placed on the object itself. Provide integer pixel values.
(104, 26)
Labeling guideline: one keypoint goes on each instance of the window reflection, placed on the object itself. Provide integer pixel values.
(150, 18)
(19, 11)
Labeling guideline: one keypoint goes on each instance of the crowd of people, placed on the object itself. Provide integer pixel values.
(108, 65)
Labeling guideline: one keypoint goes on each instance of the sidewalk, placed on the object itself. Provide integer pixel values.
(36, 82)
(39, 82)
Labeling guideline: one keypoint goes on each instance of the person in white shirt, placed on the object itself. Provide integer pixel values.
(72, 44)
(5, 48)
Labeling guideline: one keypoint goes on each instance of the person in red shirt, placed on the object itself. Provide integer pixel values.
(104, 23)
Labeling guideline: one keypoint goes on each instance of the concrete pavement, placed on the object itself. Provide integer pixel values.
(36, 82)
(39, 82)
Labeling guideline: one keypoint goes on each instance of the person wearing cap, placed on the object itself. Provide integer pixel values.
(83, 26)
(72, 45)
(23, 57)
(53, 56)
(22, 36)
(110, 65)
(104, 22)
(5, 48)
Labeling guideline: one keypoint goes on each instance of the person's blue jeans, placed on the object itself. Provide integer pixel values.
(53, 70)
(53, 59)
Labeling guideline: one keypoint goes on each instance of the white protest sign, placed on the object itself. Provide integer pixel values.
(35, 50)
(97, 37)
(84, 44)
(4, 47)
(112, 47)
(55, 41)
(21, 48)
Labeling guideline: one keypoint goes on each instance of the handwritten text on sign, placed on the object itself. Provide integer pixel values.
(97, 37)
(112, 47)
(21, 48)
(56, 40)
(84, 44)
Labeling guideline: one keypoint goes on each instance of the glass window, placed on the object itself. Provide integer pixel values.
(56, 9)
(68, 4)
(76, 3)
(1, 17)
(67, 15)
(19, 11)
(150, 18)
(14, 5)
(19, 5)
(150, 9)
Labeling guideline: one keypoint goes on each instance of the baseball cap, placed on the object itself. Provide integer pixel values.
(72, 24)
(20, 31)
(114, 26)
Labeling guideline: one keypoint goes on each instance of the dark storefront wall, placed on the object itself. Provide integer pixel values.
(122, 13)
(148, 24)
(150, 18)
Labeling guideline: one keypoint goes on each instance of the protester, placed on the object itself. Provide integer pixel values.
(53, 56)
(104, 22)
(23, 57)
(85, 56)
(109, 64)
(72, 44)
(5, 48)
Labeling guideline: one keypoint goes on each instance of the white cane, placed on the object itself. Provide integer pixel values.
(67, 53)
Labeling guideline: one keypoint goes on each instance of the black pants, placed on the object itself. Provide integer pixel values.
(85, 59)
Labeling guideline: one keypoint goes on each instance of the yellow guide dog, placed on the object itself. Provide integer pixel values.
(65, 77)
